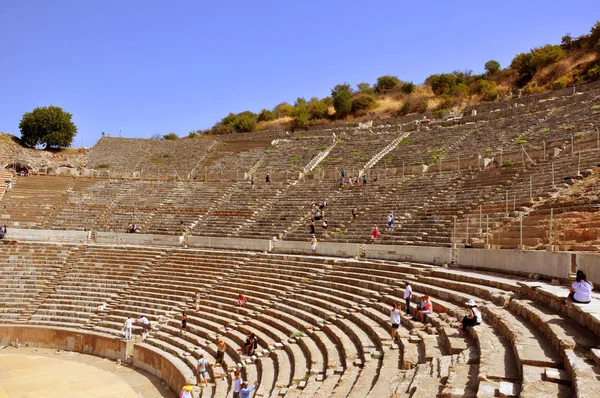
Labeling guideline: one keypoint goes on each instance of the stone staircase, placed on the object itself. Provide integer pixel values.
(379, 155)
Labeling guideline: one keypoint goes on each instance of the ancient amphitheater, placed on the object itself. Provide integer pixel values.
(499, 205)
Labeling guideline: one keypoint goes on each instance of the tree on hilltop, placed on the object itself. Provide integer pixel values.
(492, 67)
(50, 126)
(386, 83)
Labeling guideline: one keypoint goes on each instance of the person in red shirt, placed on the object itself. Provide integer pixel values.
(426, 308)
(375, 232)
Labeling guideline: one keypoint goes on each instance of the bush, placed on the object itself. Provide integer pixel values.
(442, 83)
(339, 88)
(301, 117)
(243, 122)
(524, 66)
(50, 126)
(559, 83)
(419, 106)
(593, 41)
(265, 116)
(282, 110)
(365, 88)
(507, 163)
(221, 128)
(404, 109)
(386, 83)
(532, 89)
(342, 102)
(318, 109)
(488, 88)
(171, 136)
(544, 56)
(593, 74)
(408, 87)
(362, 103)
(192, 134)
(492, 67)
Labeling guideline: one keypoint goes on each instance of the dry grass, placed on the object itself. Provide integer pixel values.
(564, 67)
(274, 124)
(387, 104)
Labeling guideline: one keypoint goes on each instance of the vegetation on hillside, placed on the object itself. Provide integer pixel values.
(49, 126)
(552, 66)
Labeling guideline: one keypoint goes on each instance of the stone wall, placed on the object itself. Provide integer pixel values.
(421, 254)
(162, 365)
(590, 264)
(323, 248)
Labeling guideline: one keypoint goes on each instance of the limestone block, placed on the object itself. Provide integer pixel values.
(557, 375)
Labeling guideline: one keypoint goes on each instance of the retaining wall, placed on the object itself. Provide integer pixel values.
(48, 235)
(519, 262)
(421, 254)
(229, 243)
(136, 239)
(323, 248)
(163, 365)
(590, 263)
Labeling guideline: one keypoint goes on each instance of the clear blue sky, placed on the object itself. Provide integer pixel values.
(156, 67)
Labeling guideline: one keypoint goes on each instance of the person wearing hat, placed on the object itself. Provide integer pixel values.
(245, 391)
(474, 317)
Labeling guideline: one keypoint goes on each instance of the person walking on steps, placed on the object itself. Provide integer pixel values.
(407, 296)
(313, 245)
(472, 319)
(268, 178)
(145, 326)
(201, 372)
(197, 301)
(245, 391)
(390, 221)
(237, 384)
(187, 391)
(183, 322)
(127, 328)
(395, 320)
(221, 347)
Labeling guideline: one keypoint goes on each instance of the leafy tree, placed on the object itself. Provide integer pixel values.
(566, 41)
(386, 83)
(362, 103)
(50, 126)
(318, 109)
(488, 88)
(547, 55)
(243, 122)
(593, 40)
(523, 64)
(365, 88)
(171, 136)
(342, 103)
(192, 134)
(442, 83)
(221, 128)
(408, 87)
(339, 88)
(492, 67)
(301, 116)
(265, 116)
(282, 110)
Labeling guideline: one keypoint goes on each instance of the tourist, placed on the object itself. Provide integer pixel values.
(241, 300)
(183, 322)
(9, 186)
(365, 178)
(312, 205)
(268, 178)
(201, 372)
(128, 328)
(354, 213)
(426, 308)
(472, 319)
(325, 225)
(312, 227)
(221, 347)
(245, 391)
(248, 344)
(181, 225)
(145, 326)
(254, 345)
(197, 301)
(395, 320)
(187, 391)
(341, 182)
(581, 289)
(407, 296)
(252, 182)
(313, 245)
(375, 232)
(237, 384)
(343, 173)
(390, 221)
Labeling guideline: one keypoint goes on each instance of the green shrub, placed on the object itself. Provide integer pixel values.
(339, 88)
(524, 66)
(192, 134)
(546, 55)
(507, 163)
(559, 83)
(419, 106)
(243, 122)
(171, 136)
(362, 103)
(103, 166)
(282, 110)
(365, 88)
(301, 116)
(579, 135)
(520, 140)
(492, 67)
(265, 116)
(386, 83)
(342, 103)
(404, 109)
(442, 83)
(318, 109)
(593, 74)
(532, 89)
(221, 128)
(408, 87)
(488, 88)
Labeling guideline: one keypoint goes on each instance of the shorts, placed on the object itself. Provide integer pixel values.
(183, 324)
(314, 247)
(203, 374)
(395, 325)
(425, 312)
(145, 327)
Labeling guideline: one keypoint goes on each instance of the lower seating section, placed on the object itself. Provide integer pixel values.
(323, 324)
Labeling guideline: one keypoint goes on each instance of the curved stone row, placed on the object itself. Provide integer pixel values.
(322, 323)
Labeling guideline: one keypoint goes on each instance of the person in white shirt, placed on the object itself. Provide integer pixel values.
(472, 319)
(581, 289)
(407, 296)
(237, 384)
(145, 326)
(395, 320)
(127, 328)
(201, 369)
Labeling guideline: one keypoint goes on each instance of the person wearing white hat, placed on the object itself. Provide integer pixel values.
(474, 317)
